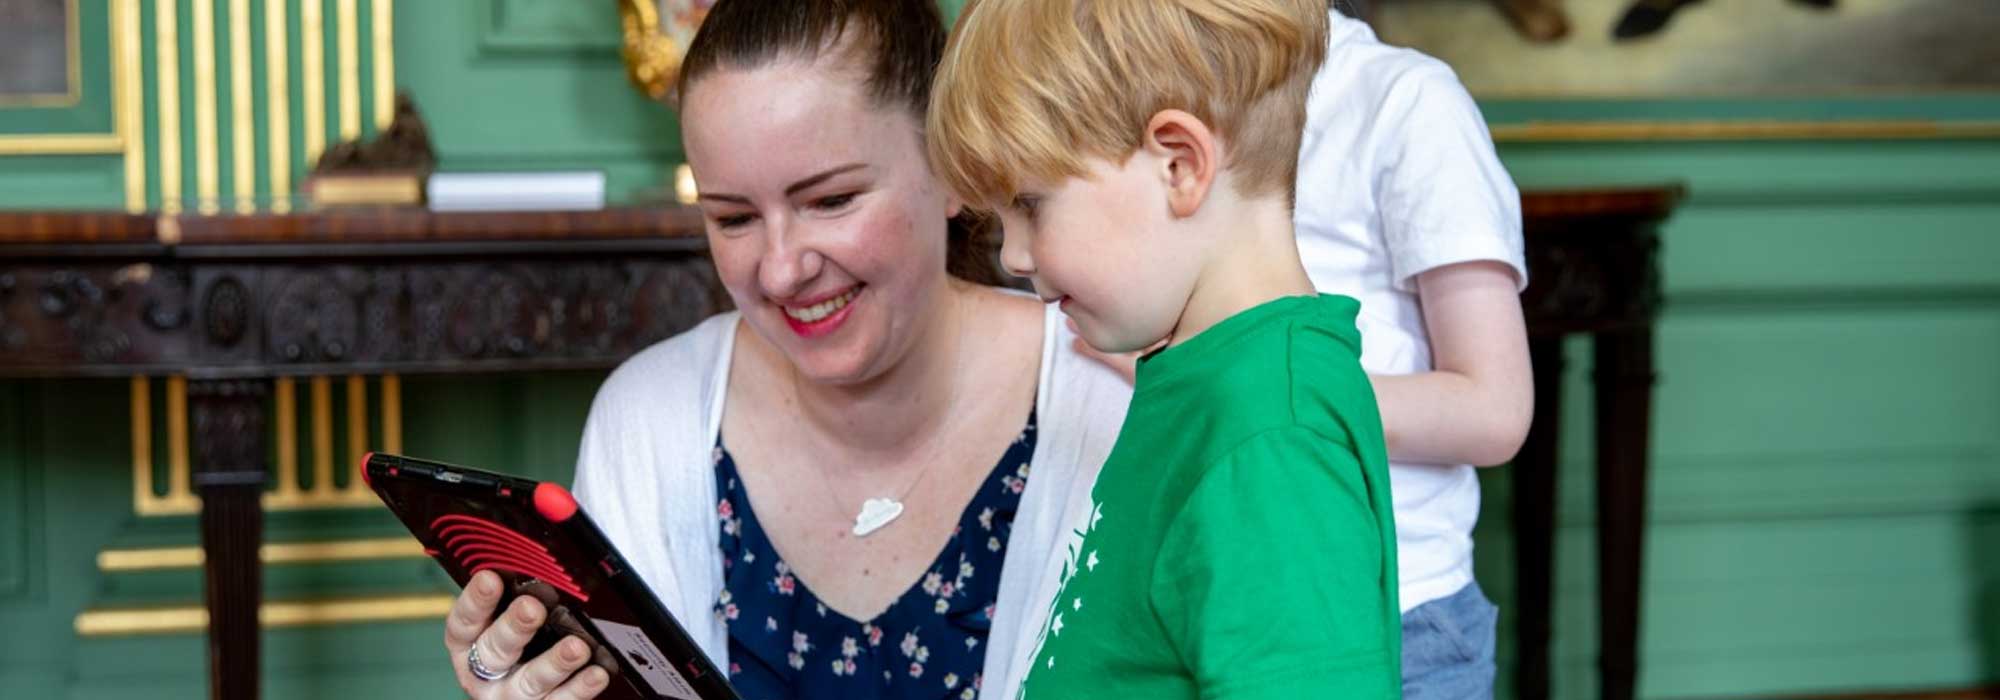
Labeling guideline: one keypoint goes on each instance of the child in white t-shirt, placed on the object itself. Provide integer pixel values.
(1403, 204)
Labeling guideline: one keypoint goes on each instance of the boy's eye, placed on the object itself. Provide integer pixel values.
(1027, 204)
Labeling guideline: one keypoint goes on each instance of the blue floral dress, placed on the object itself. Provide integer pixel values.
(784, 644)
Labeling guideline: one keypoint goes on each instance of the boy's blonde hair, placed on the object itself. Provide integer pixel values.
(1031, 89)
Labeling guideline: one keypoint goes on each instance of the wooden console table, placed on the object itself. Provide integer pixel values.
(232, 302)
(1593, 268)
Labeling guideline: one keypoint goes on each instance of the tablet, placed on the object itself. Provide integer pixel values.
(533, 534)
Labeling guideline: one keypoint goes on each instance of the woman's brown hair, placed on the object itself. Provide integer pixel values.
(897, 42)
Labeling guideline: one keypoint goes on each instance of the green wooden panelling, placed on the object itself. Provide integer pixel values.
(530, 27)
(20, 507)
(62, 182)
(491, 105)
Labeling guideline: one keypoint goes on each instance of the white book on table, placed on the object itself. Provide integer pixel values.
(516, 191)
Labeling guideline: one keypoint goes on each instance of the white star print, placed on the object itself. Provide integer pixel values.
(1091, 562)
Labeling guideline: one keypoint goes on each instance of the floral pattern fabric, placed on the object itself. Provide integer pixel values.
(784, 644)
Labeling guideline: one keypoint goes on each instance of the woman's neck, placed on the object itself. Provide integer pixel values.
(905, 407)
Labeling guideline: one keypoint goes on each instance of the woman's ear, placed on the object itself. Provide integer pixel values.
(953, 206)
(1189, 155)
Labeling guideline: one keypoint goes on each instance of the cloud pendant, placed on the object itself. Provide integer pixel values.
(875, 514)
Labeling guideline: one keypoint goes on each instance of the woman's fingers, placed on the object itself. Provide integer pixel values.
(500, 647)
(471, 612)
(542, 676)
(583, 686)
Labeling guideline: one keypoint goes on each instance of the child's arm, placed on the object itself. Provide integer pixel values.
(1473, 407)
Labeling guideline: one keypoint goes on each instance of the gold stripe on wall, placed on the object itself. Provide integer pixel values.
(166, 40)
(312, 64)
(384, 15)
(241, 119)
(142, 442)
(178, 500)
(284, 392)
(134, 621)
(322, 427)
(392, 414)
(61, 144)
(1740, 130)
(191, 619)
(332, 551)
(207, 177)
(349, 35)
(177, 442)
(131, 98)
(278, 113)
(357, 430)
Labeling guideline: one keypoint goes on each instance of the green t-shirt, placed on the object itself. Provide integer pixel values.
(1241, 544)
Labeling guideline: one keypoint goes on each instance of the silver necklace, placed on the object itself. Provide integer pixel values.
(878, 512)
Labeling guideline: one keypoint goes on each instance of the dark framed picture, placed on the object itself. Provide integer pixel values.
(1882, 67)
(38, 53)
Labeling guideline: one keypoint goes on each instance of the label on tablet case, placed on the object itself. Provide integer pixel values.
(644, 658)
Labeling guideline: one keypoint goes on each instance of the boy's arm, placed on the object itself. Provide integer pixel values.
(1451, 220)
(1474, 406)
(1277, 579)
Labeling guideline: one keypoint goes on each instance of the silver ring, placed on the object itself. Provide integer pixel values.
(480, 670)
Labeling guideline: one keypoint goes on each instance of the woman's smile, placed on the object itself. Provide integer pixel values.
(819, 317)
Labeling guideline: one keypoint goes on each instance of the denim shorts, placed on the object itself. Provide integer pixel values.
(1448, 647)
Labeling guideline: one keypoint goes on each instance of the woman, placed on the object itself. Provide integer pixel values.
(822, 484)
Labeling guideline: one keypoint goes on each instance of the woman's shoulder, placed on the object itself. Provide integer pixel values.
(682, 365)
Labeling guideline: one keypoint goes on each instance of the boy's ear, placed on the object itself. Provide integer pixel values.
(1191, 157)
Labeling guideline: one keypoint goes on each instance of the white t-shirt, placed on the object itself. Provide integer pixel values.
(1397, 176)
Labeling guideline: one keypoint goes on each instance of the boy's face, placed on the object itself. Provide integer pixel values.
(1105, 247)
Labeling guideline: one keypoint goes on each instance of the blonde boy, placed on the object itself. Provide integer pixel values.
(1141, 155)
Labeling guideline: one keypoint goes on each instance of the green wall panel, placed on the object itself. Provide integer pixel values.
(62, 182)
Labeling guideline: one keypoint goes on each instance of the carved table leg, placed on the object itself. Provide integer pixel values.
(229, 448)
(1624, 423)
(1534, 480)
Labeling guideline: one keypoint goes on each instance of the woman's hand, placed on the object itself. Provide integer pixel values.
(498, 642)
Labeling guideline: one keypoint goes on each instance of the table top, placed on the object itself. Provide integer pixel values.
(82, 232)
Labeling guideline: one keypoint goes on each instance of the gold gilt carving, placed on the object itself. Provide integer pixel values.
(654, 43)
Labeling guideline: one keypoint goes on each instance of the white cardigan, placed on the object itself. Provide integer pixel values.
(645, 475)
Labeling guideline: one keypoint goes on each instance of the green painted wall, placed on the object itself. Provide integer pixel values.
(1826, 500)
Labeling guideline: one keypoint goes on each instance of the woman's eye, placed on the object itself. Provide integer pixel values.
(834, 202)
(732, 221)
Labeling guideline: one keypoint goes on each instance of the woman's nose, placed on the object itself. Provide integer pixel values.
(790, 263)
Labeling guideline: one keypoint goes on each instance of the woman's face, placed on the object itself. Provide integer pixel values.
(823, 218)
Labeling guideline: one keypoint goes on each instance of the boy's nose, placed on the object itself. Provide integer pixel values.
(1014, 255)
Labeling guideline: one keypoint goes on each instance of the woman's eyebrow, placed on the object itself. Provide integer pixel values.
(822, 176)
